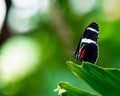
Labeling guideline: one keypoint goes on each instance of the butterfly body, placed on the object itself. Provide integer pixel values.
(87, 49)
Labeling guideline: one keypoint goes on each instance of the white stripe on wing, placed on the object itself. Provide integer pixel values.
(92, 29)
(85, 40)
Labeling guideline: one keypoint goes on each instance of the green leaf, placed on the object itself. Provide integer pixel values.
(106, 81)
(65, 89)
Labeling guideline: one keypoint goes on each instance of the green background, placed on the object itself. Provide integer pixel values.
(48, 37)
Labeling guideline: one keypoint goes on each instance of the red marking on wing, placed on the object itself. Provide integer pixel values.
(82, 53)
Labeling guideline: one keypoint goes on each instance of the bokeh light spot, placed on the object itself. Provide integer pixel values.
(19, 57)
(111, 9)
(82, 6)
(2, 12)
(24, 15)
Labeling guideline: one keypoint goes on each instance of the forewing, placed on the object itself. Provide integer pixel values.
(92, 32)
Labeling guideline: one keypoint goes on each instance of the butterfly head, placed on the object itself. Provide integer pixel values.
(77, 55)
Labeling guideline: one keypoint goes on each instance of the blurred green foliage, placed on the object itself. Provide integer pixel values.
(53, 31)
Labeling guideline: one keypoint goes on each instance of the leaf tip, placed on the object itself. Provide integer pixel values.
(69, 62)
(59, 89)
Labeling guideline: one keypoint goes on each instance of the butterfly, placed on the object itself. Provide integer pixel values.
(87, 48)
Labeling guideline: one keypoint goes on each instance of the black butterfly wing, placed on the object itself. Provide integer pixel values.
(87, 49)
(89, 40)
(92, 32)
(90, 53)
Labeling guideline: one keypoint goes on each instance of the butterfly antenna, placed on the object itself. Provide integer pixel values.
(74, 45)
(63, 45)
